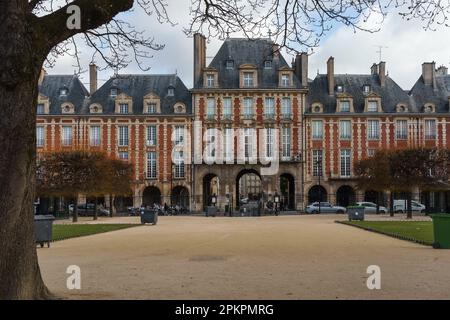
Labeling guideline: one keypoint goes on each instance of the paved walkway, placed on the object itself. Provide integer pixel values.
(285, 257)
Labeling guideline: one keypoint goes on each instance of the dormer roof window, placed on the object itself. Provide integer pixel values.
(113, 92)
(171, 91)
(339, 88)
(230, 64)
(268, 64)
(366, 88)
(63, 92)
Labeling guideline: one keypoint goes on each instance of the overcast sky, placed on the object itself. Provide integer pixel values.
(405, 46)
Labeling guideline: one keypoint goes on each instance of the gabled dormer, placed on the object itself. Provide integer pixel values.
(43, 105)
(344, 103)
(248, 76)
(152, 103)
(123, 104)
(372, 103)
(210, 78)
(285, 77)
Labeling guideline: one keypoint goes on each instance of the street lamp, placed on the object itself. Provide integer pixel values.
(276, 200)
(319, 173)
(214, 200)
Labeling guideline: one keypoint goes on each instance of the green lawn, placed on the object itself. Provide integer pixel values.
(67, 231)
(417, 231)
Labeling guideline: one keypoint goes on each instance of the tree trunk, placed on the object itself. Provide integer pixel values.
(111, 206)
(391, 204)
(96, 208)
(75, 210)
(20, 277)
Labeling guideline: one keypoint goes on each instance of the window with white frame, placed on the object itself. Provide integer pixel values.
(211, 143)
(230, 64)
(269, 142)
(372, 106)
(345, 129)
(94, 136)
(401, 129)
(123, 108)
(286, 142)
(171, 92)
(123, 155)
(179, 135)
(227, 108)
(113, 92)
(248, 142)
(268, 64)
(269, 107)
(227, 143)
(286, 107)
(248, 108)
(211, 108)
(345, 162)
(210, 80)
(67, 136)
(373, 129)
(317, 161)
(123, 136)
(248, 79)
(151, 108)
(285, 81)
(344, 106)
(151, 135)
(40, 108)
(151, 165)
(317, 129)
(430, 129)
(40, 136)
(178, 164)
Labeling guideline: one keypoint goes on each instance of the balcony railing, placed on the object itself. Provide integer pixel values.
(248, 116)
(269, 116)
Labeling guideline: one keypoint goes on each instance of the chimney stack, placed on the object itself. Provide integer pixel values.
(199, 57)
(330, 75)
(301, 68)
(275, 50)
(382, 73)
(429, 74)
(92, 77)
(442, 71)
(374, 69)
(41, 76)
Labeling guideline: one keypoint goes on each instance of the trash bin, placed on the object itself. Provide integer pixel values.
(43, 229)
(149, 216)
(211, 211)
(441, 230)
(355, 213)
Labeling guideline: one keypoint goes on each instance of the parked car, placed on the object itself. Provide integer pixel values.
(325, 207)
(400, 206)
(370, 207)
(89, 209)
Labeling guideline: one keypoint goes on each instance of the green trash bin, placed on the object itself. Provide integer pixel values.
(441, 230)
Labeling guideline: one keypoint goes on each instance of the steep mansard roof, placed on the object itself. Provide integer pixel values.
(438, 96)
(391, 94)
(248, 51)
(135, 86)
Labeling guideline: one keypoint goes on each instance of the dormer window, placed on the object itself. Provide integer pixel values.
(113, 92)
(40, 108)
(123, 108)
(285, 80)
(366, 88)
(151, 108)
(317, 108)
(345, 106)
(230, 64)
(248, 79)
(210, 80)
(63, 92)
(268, 64)
(171, 92)
(372, 106)
(339, 89)
(429, 108)
(401, 108)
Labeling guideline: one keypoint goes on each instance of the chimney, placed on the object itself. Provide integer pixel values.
(199, 57)
(429, 74)
(275, 50)
(92, 77)
(442, 71)
(330, 75)
(301, 68)
(382, 73)
(42, 74)
(374, 69)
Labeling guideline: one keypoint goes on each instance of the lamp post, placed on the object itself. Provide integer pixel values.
(214, 199)
(319, 173)
(276, 200)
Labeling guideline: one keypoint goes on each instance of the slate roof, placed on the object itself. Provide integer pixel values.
(138, 86)
(391, 94)
(247, 51)
(77, 92)
(422, 93)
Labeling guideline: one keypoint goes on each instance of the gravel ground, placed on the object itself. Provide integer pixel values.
(285, 257)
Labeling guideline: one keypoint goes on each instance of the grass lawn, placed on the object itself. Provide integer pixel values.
(67, 231)
(417, 231)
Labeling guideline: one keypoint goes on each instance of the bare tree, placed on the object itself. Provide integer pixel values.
(35, 31)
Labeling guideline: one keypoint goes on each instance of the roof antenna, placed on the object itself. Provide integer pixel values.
(379, 51)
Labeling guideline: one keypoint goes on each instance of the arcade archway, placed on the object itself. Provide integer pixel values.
(345, 196)
(287, 189)
(317, 193)
(248, 186)
(150, 196)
